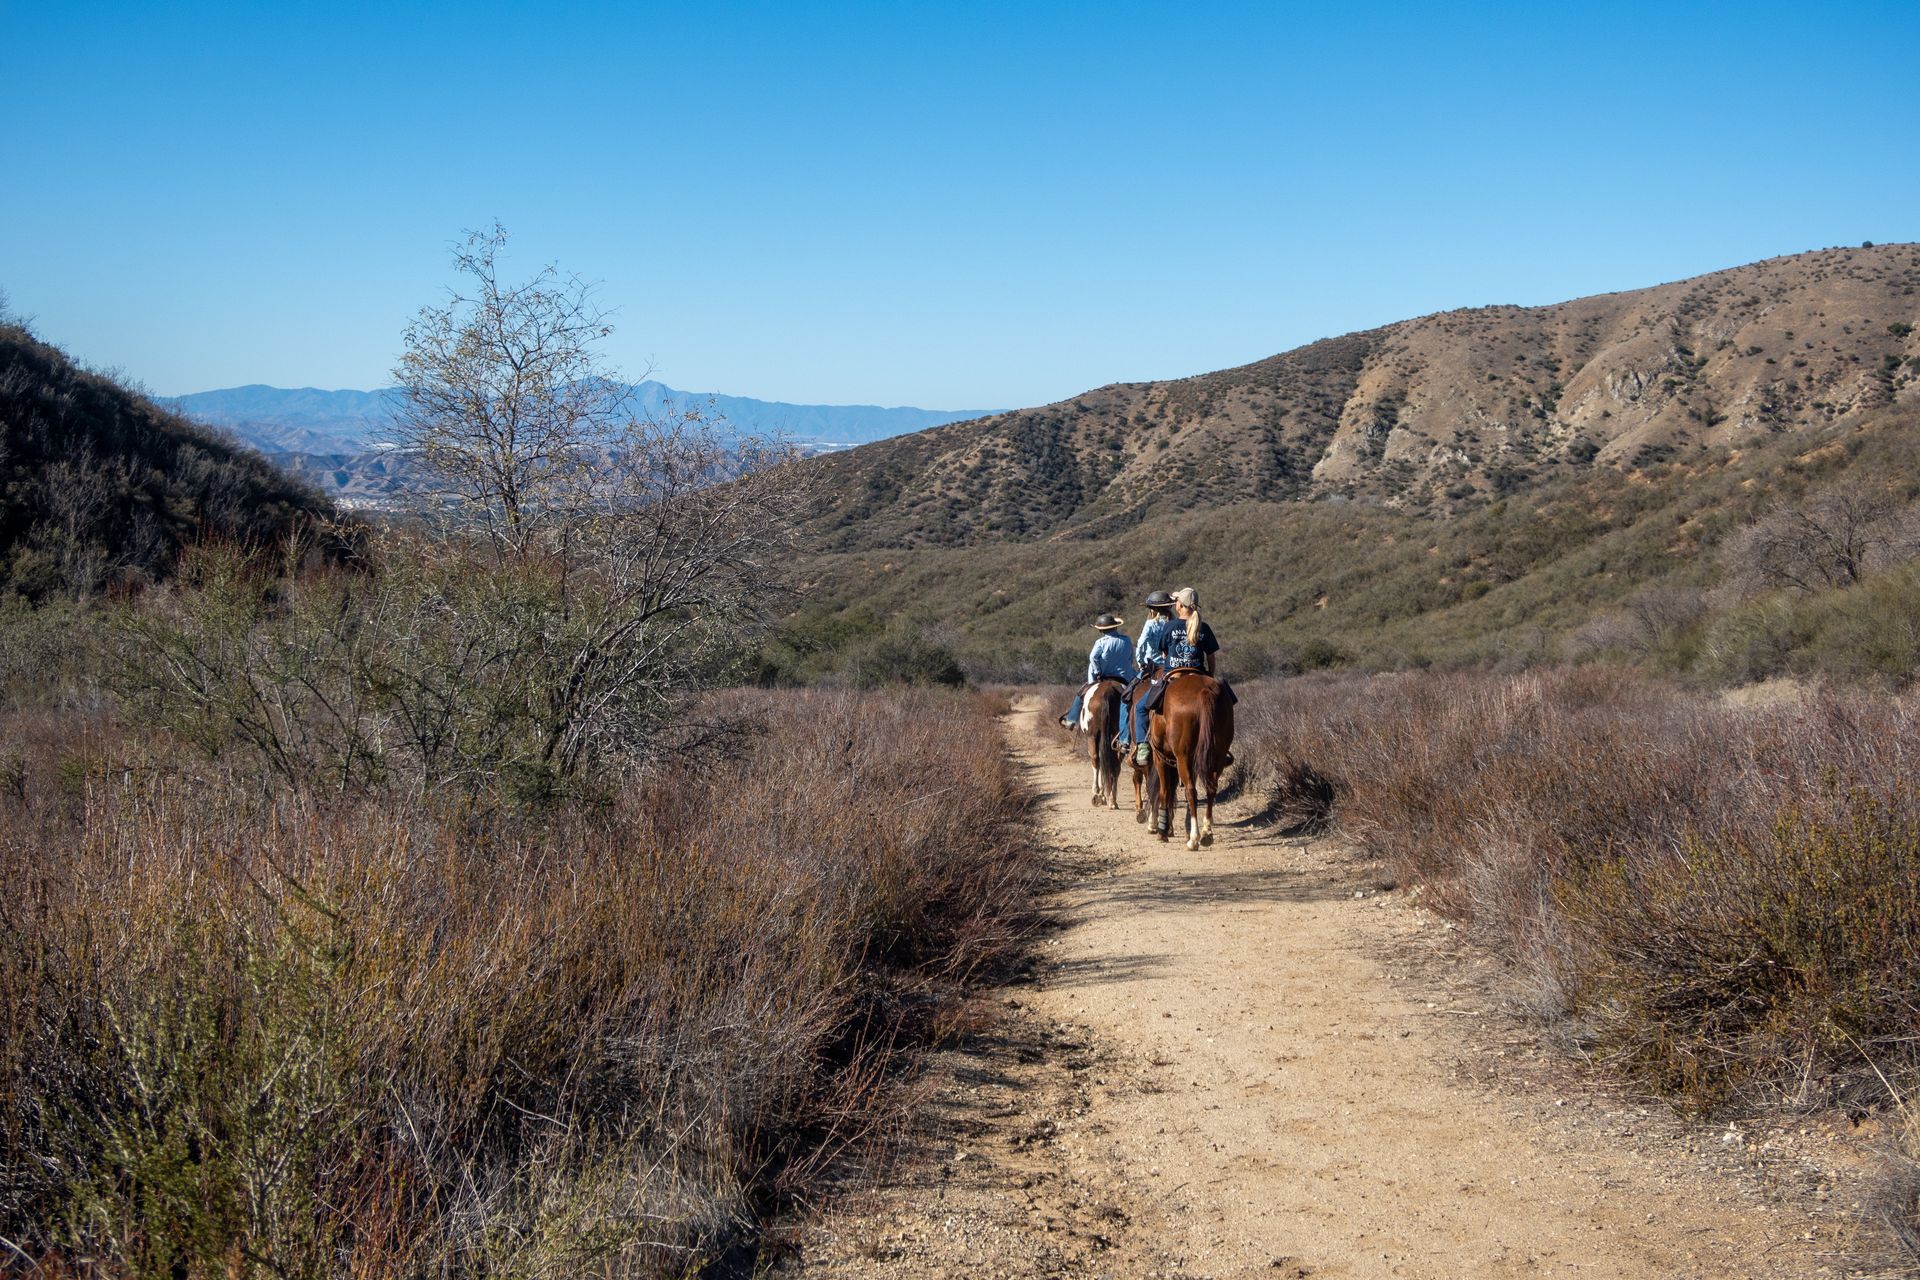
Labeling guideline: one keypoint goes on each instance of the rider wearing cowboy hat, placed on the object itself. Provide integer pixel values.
(1110, 659)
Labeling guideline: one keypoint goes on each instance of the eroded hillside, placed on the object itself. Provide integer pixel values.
(1437, 413)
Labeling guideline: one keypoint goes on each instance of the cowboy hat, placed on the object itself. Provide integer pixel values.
(1159, 600)
(1108, 622)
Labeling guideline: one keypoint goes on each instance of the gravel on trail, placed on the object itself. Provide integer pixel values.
(1262, 1059)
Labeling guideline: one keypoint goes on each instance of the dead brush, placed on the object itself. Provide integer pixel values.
(1721, 900)
(382, 1035)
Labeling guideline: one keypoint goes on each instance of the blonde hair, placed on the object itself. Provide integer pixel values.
(1187, 597)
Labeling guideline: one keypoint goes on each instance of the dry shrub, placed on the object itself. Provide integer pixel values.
(1790, 957)
(1512, 799)
(1722, 901)
(386, 1036)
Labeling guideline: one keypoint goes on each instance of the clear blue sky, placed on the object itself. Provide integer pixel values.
(953, 206)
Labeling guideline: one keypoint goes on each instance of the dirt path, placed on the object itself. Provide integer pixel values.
(1253, 1061)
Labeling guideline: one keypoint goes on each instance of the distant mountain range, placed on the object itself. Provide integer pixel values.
(308, 420)
(335, 440)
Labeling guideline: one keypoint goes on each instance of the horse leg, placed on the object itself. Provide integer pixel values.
(1190, 783)
(1206, 824)
(1139, 800)
(1162, 806)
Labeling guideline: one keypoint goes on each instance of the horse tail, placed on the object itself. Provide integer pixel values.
(1106, 757)
(1203, 737)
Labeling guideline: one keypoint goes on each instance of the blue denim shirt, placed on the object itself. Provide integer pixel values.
(1152, 649)
(1111, 656)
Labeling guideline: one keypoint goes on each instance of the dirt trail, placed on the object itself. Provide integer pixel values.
(1250, 1061)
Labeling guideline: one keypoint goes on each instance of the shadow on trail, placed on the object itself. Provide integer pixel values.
(1171, 890)
(1096, 970)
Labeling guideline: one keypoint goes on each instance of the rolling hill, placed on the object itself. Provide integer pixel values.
(101, 486)
(1438, 414)
(1482, 486)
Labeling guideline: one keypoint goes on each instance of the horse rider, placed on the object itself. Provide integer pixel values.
(1190, 644)
(1150, 655)
(1111, 658)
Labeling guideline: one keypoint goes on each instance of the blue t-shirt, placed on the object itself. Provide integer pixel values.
(1181, 653)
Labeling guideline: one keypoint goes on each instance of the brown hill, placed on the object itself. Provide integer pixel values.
(1440, 413)
(99, 486)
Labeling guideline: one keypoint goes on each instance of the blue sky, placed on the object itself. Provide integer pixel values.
(954, 206)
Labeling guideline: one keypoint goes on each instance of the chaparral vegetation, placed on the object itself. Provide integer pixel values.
(1719, 900)
(566, 877)
(417, 900)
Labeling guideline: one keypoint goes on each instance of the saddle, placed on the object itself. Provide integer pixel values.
(1086, 707)
(1152, 696)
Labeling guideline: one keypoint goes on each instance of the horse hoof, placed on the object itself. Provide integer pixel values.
(1206, 841)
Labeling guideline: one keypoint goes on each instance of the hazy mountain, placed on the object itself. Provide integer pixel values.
(281, 419)
(310, 420)
(1441, 413)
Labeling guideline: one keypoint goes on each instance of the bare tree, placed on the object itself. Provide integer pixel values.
(503, 399)
(1829, 539)
(588, 574)
(633, 559)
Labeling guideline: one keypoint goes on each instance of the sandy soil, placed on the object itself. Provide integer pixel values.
(1262, 1059)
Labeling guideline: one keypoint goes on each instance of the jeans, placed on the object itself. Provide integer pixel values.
(1073, 712)
(1133, 724)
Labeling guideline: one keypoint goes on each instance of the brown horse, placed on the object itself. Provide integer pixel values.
(1099, 719)
(1146, 802)
(1191, 730)
(1140, 776)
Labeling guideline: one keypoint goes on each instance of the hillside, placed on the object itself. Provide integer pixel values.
(1439, 414)
(1589, 561)
(100, 485)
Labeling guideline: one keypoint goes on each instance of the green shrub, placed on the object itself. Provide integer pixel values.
(903, 654)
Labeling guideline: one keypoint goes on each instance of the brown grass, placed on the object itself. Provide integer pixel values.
(252, 1034)
(1722, 902)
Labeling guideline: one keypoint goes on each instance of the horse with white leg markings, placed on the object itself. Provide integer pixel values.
(1096, 712)
(1099, 716)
